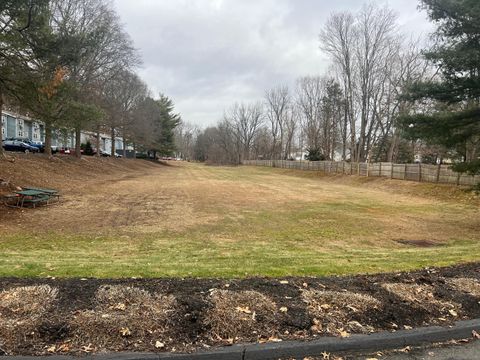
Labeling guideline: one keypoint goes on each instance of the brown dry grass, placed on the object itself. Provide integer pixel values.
(336, 311)
(120, 217)
(124, 315)
(22, 311)
(468, 285)
(241, 316)
(422, 296)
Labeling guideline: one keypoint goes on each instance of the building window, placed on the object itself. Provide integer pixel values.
(20, 125)
(4, 125)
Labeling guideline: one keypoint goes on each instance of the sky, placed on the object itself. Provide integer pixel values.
(208, 54)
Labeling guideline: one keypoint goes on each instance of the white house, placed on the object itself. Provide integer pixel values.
(19, 126)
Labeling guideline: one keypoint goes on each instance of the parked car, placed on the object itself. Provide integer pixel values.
(69, 151)
(38, 144)
(107, 154)
(18, 145)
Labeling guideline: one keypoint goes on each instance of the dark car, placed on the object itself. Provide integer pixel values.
(41, 146)
(38, 144)
(19, 145)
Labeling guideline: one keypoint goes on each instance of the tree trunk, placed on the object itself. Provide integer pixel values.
(78, 143)
(124, 144)
(48, 139)
(112, 137)
(393, 147)
(134, 151)
(97, 142)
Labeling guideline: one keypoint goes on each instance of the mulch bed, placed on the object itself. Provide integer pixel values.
(78, 316)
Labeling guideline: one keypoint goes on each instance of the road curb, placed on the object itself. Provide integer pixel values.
(297, 349)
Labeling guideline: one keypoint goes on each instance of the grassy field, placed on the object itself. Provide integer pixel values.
(195, 220)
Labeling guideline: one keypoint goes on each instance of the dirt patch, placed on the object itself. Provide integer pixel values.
(418, 243)
(340, 313)
(78, 316)
(241, 316)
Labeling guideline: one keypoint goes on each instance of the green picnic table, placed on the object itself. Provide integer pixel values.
(50, 192)
(30, 196)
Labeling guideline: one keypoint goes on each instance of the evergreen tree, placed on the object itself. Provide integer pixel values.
(20, 22)
(453, 102)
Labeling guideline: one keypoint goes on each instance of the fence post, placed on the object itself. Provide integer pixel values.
(405, 172)
(391, 170)
(458, 179)
(439, 167)
(368, 168)
(358, 168)
(419, 172)
(380, 169)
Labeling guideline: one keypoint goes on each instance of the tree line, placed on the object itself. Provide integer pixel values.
(71, 65)
(384, 98)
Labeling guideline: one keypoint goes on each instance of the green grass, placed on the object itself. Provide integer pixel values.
(178, 257)
(268, 243)
(351, 232)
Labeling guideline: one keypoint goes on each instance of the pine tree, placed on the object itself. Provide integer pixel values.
(453, 102)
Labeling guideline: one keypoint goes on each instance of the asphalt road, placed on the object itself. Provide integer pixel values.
(469, 351)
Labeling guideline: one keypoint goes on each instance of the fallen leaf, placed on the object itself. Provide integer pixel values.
(283, 309)
(245, 310)
(475, 334)
(64, 348)
(325, 306)
(407, 327)
(88, 348)
(125, 331)
(51, 349)
(344, 334)
(326, 356)
(159, 345)
(453, 313)
(352, 308)
(274, 339)
(120, 306)
(284, 282)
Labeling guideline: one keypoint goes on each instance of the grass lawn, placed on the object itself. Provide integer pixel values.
(193, 220)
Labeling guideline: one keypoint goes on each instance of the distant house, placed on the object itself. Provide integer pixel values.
(20, 126)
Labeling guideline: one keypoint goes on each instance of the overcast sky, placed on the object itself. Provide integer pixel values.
(208, 54)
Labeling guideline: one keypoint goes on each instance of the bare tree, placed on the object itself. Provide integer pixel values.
(365, 49)
(185, 138)
(291, 127)
(376, 46)
(309, 100)
(277, 101)
(338, 39)
(244, 121)
(94, 46)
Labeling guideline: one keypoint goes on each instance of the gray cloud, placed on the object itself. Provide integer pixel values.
(207, 54)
